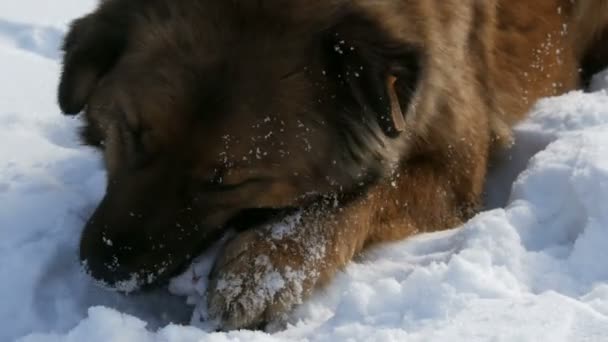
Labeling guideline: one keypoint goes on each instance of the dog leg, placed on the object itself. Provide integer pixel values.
(264, 272)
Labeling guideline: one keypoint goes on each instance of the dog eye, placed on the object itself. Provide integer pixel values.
(293, 73)
(231, 179)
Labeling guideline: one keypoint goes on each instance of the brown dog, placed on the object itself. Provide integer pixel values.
(370, 120)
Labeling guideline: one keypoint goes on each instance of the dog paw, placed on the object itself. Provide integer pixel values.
(259, 279)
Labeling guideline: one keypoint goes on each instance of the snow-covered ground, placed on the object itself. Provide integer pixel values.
(533, 269)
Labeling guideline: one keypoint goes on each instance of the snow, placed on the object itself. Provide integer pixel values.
(531, 267)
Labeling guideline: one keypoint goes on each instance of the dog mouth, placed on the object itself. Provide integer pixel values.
(245, 219)
(126, 277)
(258, 217)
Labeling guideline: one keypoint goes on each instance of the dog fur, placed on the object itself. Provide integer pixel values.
(371, 120)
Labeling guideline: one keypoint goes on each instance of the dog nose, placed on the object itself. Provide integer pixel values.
(108, 268)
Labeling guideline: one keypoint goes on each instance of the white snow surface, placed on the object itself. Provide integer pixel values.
(532, 267)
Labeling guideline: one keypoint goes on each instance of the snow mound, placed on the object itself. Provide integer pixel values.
(531, 267)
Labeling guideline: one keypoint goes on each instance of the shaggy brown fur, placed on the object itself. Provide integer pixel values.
(372, 120)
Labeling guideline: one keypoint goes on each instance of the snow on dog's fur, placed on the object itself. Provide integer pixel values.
(375, 119)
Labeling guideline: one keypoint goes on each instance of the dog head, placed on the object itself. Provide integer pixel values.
(217, 114)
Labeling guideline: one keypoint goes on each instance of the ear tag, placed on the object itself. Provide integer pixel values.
(396, 113)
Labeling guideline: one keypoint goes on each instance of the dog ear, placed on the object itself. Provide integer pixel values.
(379, 73)
(91, 48)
